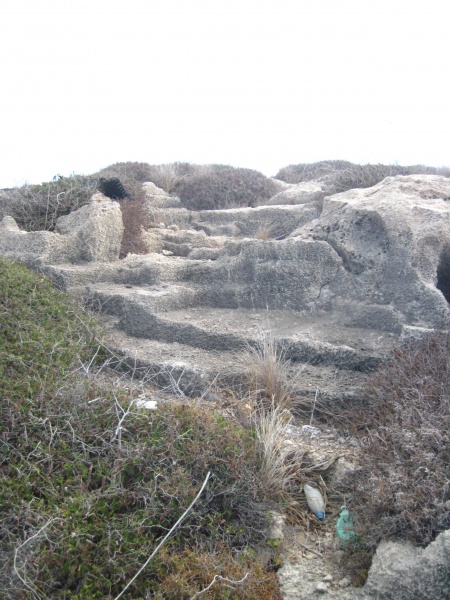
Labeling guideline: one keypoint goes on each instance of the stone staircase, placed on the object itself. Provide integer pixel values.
(189, 337)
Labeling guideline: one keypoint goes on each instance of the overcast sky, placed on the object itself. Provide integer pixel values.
(257, 84)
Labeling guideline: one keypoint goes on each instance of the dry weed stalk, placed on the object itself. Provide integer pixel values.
(280, 459)
(268, 371)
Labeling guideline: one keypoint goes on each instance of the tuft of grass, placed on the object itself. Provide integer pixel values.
(280, 461)
(267, 372)
(264, 234)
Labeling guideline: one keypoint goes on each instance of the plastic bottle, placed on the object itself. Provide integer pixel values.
(315, 501)
(344, 526)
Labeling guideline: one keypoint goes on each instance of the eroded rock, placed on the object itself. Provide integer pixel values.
(92, 233)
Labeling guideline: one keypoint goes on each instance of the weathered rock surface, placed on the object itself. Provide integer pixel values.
(300, 193)
(399, 571)
(336, 286)
(392, 241)
(92, 233)
(402, 572)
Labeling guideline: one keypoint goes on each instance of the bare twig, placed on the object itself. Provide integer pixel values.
(17, 551)
(310, 550)
(220, 578)
(165, 537)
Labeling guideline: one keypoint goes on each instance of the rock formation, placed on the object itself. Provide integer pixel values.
(335, 280)
(92, 233)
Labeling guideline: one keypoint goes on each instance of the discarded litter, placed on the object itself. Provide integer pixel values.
(344, 526)
(149, 404)
(315, 501)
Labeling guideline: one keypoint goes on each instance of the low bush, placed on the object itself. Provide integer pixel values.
(339, 176)
(41, 338)
(37, 207)
(218, 187)
(401, 489)
(165, 176)
(309, 171)
(90, 483)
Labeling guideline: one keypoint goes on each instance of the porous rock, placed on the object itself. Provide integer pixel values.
(401, 571)
(91, 233)
(392, 241)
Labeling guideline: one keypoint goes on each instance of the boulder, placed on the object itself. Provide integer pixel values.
(393, 242)
(401, 571)
(95, 229)
(91, 233)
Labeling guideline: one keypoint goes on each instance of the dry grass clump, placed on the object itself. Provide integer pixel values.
(264, 233)
(267, 372)
(280, 461)
(136, 220)
(401, 489)
(214, 187)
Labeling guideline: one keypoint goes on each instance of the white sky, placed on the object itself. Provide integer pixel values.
(257, 84)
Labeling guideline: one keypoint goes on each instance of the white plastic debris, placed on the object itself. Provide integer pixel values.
(315, 501)
(149, 404)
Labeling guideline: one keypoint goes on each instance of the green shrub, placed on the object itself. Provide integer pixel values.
(41, 339)
(218, 187)
(90, 483)
(108, 500)
(401, 489)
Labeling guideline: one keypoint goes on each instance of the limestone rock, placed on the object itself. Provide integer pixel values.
(96, 230)
(91, 233)
(9, 224)
(301, 193)
(158, 198)
(393, 241)
(401, 572)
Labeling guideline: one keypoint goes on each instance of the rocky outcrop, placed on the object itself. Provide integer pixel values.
(335, 284)
(336, 281)
(392, 241)
(399, 571)
(92, 233)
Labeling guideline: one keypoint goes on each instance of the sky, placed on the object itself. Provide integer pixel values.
(256, 84)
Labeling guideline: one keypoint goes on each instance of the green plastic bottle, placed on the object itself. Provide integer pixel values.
(344, 526)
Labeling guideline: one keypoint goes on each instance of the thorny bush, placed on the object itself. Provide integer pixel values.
(402, 486)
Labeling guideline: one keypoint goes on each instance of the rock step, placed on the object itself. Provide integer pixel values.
(160, 313)
(184, 369)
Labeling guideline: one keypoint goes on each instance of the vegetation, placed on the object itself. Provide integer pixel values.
(200, 187)
(217, 187)
(90, 482)
(401, 488)
(339, 176)
(37, 207)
